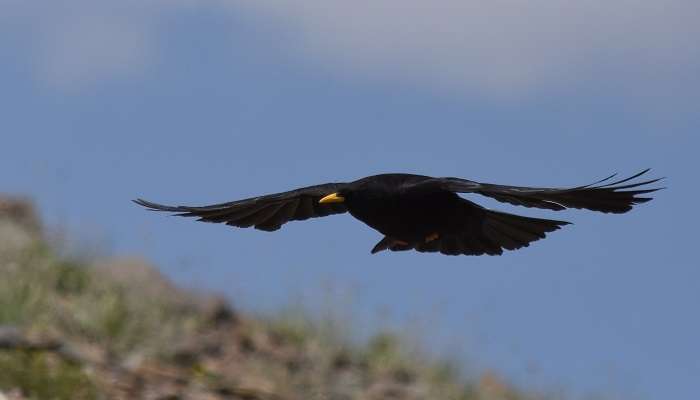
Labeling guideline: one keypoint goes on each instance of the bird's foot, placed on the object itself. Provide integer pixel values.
(431, 237)
(389, 243)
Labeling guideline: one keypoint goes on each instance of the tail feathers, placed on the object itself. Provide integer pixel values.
(495, 232)
(511, 232)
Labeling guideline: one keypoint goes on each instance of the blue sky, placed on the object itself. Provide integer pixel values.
(199, 102)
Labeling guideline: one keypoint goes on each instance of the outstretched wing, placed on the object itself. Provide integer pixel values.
(615, 197)
(267, 213)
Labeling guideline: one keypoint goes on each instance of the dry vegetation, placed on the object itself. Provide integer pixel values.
(72, 329)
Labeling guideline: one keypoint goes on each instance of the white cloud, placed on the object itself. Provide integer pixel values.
(75, 43)
(91, 49)
(496, 45)
(493, 47)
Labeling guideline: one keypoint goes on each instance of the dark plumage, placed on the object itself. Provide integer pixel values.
(424, 213)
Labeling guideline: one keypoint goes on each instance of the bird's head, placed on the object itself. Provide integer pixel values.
(374, 188)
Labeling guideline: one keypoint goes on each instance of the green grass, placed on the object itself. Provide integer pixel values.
(48, 295)
(42, 292)
(125, 308)
(41, 376)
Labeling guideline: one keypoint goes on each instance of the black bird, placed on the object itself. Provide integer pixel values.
(425, 213)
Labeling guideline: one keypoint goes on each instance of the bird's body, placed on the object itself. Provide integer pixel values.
(423, 213)
(387, 204)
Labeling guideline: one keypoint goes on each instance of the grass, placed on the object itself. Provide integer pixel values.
(42, 292)
(41, 376)
(126, 308)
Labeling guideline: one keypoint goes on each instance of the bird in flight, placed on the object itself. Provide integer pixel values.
(416, 212)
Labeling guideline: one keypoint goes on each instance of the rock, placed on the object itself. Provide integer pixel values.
(388, 390)
(216, 311)
(14, 394)
(20, 212)
(19, 225)
(12, 338)
(493, 386)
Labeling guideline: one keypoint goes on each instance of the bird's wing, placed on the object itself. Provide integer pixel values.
(604, 196)
(267, 213)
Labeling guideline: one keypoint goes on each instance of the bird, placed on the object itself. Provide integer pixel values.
(426, 214)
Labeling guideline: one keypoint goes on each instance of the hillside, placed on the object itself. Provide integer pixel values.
(74, 328)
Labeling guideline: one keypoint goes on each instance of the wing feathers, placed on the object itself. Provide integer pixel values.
(267, 213)
(305, 210)
(600, 196)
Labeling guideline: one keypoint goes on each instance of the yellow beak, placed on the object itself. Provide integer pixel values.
(332, 198)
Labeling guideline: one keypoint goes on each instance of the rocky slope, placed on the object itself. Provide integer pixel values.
(72, 328)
